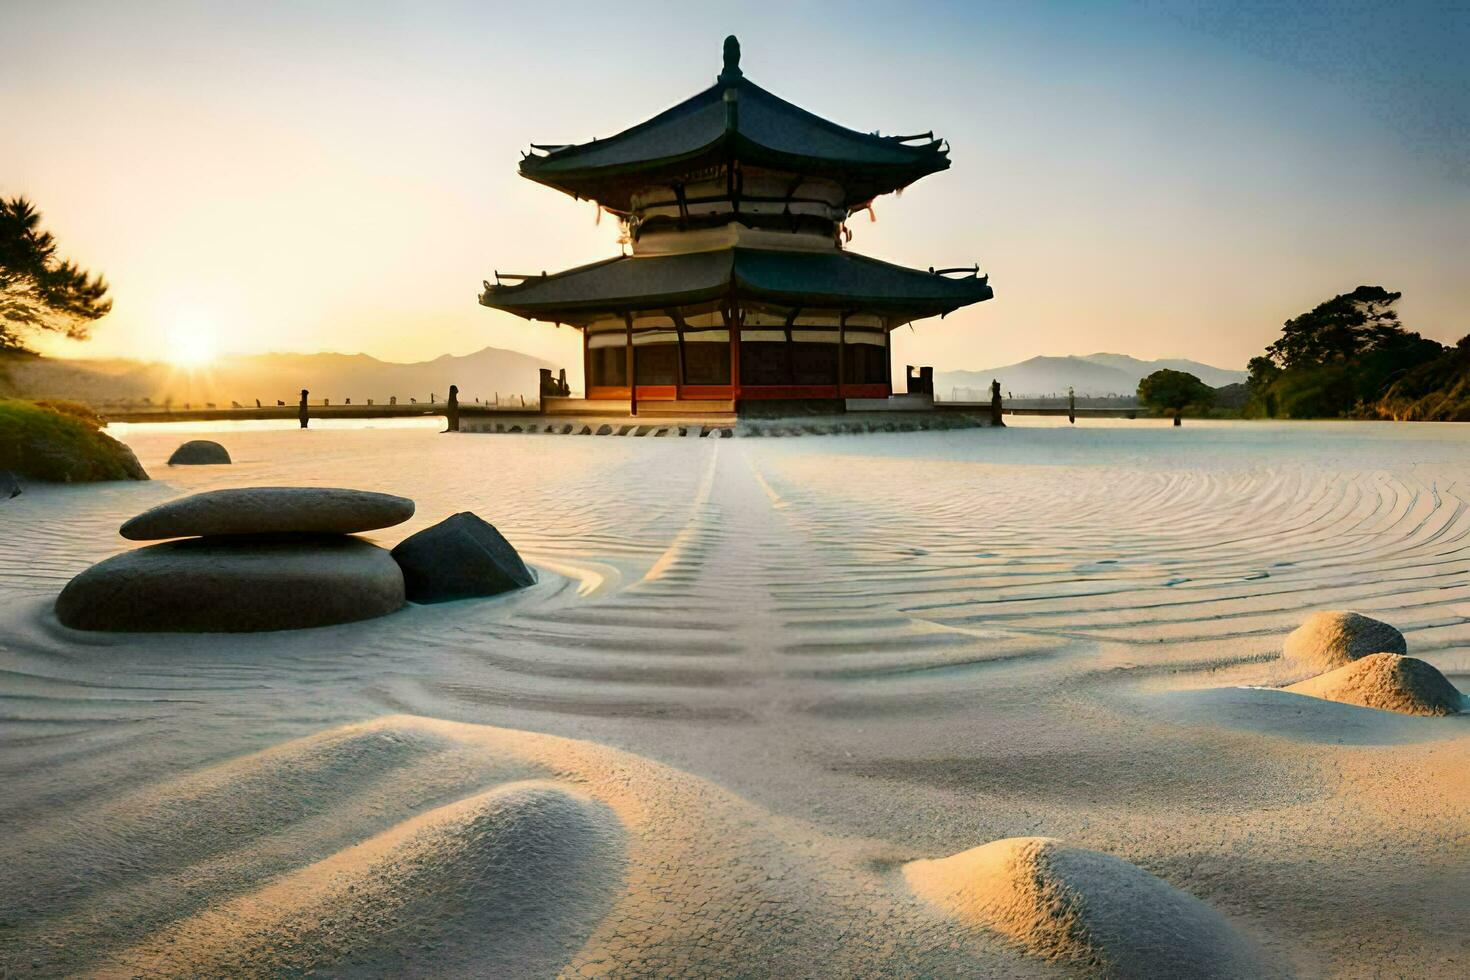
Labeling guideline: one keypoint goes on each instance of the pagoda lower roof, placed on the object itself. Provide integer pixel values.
(833, 279)
(734, 120)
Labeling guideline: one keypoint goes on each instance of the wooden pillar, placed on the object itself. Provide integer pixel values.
(632, 378)
(678, 318)
(586, 365)
(888, 357)
(790, 347)
(841, 352)
(732, 323)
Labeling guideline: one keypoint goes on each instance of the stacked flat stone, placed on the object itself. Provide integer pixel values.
(251, 559)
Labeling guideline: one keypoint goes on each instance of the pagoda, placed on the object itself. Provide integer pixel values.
(738, 287)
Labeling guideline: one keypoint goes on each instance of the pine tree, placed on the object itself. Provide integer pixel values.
(38, 290)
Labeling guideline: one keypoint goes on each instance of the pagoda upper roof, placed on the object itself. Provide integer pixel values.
(812, 280)
(734, 119)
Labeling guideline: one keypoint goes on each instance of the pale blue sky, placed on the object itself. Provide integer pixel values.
(1153, 178)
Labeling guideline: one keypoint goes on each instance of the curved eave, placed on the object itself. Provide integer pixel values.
(615, 286)
(839, 280)
(855, 283)
(698, 133)
(614, 186)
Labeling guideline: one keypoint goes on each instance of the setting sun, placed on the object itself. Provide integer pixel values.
(191, 347)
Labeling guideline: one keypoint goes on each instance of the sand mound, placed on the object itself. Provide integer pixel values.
(1327, 640)
(517, 874)
(412, 847)
(1388, 682)
(1096, 910)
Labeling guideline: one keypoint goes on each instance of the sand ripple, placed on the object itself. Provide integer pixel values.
(475, 851)
(924, 642)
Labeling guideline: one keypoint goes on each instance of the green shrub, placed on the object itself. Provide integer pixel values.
(1167, 391)
(1314, 393)
(61, 444)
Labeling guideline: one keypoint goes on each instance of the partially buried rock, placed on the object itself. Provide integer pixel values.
(1328, 640)
(9, 485)
(458, 558)
(1388, 682)
(270, 510)
(1094, 910)
(199, 452)
(234, 586)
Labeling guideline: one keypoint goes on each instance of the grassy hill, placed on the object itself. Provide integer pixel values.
(61, 442)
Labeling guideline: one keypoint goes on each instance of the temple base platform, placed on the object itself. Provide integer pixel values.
(752, 408)
(727, 426)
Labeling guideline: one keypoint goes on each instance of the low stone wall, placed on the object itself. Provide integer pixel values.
(852, 423)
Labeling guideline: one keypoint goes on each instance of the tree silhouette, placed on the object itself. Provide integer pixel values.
(1338, 358)
(38, 290)
(1174, 391)
(1343, 327)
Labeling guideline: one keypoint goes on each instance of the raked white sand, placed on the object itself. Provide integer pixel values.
(790, 667)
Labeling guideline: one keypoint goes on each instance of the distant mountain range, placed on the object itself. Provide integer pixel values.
(273, 377)
(483, 374)
(1092, 375)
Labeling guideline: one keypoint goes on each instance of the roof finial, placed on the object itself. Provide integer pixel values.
(732, 59)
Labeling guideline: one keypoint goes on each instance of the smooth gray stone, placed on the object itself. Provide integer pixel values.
(199, 452)
(270, 510)
(458, 558)
(234, 585)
